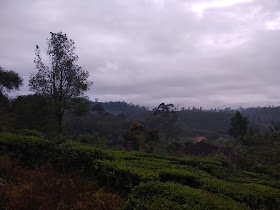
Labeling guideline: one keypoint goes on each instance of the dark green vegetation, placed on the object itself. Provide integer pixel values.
(152, 181)
(9, 80)
(47, 188)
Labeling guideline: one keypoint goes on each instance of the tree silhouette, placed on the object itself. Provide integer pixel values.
(9, 80)
(63, 82)
(166, 119)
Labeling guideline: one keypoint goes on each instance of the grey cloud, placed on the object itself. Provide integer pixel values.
(148, 52)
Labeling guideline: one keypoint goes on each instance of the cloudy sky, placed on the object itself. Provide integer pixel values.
(209, 53)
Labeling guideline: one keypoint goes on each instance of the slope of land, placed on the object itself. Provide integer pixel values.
(152, 181)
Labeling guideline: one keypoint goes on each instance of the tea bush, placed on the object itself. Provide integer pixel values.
(212, 177)
(73, 155)
(168, 195)
(182, 177)
(29, 150)
(254, 195)
(28, 132)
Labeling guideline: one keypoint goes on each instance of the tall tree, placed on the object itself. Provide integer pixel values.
(165, 119)
(9, 80)
(63, 82)
(238, 126)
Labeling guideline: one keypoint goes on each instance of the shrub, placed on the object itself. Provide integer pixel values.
(180, 176)
(30, 150)
(75, 155)
(87, 138)
(116, 174)
(159, 195)
(27, 132)
(255, 195)
(125, 170)
(271, 170)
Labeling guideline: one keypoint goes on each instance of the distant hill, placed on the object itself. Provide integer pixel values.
(217, 122)
(211, 124)
(118, 107)
(264, 115)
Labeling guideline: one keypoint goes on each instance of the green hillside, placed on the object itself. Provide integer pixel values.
(209, 121)
(152, 181)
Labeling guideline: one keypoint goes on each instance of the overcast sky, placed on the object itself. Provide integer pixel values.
(209, 53)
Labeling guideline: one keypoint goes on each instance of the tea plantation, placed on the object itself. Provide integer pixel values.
(152, 181)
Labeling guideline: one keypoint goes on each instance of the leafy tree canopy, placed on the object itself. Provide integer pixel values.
(140, 137)
(9, 80)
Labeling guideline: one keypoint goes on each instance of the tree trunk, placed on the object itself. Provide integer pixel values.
(59, 119)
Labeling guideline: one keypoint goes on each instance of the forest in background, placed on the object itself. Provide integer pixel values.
(111, 119)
